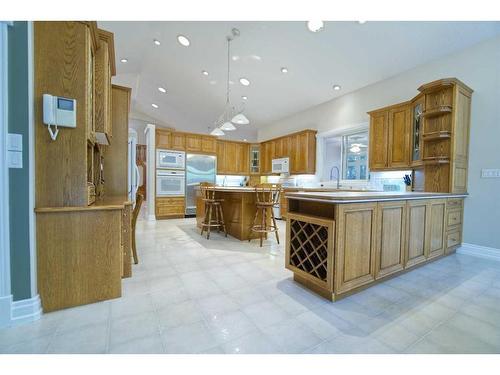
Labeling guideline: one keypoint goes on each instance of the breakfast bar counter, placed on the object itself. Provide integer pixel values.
(238, 207)
(338, 243)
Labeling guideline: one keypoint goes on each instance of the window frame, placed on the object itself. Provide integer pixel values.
(321, 173)
(343, 156)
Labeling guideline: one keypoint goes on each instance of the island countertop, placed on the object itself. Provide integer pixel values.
(365, 196)
(286, 189)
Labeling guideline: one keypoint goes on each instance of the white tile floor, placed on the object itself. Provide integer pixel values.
(190, 295)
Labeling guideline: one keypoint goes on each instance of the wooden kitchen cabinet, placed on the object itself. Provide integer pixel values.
(221, 159)
(399, 137)
(300, 148)
(178, 141)
(233, 158)
(390, 138)
(193, 142)
(209, 144)
(303, 152)
(426, 230)
(356, 243)
(391, 224)
(379, 126)
(437, 218)
(170, 207)
(163, 138)
(267, 154)
(416, 218)
(103, 70)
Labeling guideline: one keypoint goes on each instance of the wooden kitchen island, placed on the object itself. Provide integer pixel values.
(338, 243)
(238, 207)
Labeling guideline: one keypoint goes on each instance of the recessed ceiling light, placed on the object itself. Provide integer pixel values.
(244, 81)
(204, 72)
(157, 42)
(284, 70)
(162, 89)
(337, 87)
(183, 40)
(154, 105)
(315, 26)
(244, 97)
(244, 139)
(124, 60)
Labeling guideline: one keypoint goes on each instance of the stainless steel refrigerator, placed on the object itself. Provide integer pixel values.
(199, 168)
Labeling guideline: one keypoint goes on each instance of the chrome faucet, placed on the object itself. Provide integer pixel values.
(224, 181)
(338, 175)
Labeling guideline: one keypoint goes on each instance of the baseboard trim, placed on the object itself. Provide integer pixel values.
(26, 310)
(5, 310)
(479, 251)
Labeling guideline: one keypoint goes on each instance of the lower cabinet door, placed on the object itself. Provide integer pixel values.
(391, 230)
(356, 243)
(437, 216)
(416, 221)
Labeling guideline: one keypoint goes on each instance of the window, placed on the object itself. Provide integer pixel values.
(355, 156)
(347, 151)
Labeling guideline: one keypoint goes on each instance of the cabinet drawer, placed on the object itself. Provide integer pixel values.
(170, 201)
(453, 238)
(454, 203)
(169, 210)
(454, 217)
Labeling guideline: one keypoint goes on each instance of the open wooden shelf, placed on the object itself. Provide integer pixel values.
(438, 135)
(438, 111)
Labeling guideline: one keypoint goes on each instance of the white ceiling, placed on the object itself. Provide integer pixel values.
(350, 54)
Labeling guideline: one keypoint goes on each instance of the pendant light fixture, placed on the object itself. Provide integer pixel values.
(228, 126)
(217, 132)
(240, 119)
(230, 114)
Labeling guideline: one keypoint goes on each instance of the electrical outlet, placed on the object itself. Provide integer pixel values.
(490, 173)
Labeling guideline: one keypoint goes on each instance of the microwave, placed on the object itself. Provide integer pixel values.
(168, 159)
(170, 183)
(281, 165)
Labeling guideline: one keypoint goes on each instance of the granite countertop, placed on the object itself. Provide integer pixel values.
(366, 196)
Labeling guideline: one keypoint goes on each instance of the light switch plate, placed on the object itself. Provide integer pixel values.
(14, 142)
(490, 173)
(14, 159)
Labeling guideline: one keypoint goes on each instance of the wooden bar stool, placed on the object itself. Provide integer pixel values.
(213, 206)
(267, 196)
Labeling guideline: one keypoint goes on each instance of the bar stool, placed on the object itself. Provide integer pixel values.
(212, 206)
(267, 196)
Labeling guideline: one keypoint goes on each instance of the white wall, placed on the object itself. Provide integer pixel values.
(479, 68)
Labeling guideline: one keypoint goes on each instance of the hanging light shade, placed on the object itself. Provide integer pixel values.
(228, 117)
(217, 132)
(228, 126)
(241, 119)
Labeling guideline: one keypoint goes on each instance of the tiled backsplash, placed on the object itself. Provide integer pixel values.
(383, 181)
(388, 181)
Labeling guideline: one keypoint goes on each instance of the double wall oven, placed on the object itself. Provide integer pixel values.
(170, 173)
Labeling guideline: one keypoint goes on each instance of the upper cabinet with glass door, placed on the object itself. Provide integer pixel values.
(254, 159)
(418, 107)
